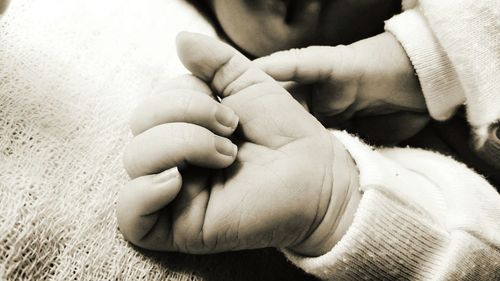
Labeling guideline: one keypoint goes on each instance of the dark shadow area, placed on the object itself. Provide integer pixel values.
(263, 265)
(453, 138)
(203, 7)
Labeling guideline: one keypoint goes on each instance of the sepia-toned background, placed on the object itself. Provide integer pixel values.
(70, 73)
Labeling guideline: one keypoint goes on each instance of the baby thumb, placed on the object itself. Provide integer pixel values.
(140, 202)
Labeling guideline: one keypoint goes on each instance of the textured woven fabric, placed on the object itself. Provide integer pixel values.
(70, 74)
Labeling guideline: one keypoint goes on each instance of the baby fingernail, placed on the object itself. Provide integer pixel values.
(167, 175)
(226, 117)
(225, 146)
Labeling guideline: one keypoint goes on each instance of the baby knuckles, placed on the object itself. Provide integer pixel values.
(219, 64)
(214, 61)
(244, 88)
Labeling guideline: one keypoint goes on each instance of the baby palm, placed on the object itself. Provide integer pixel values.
(280, 188)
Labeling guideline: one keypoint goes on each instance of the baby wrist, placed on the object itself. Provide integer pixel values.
(345, 197)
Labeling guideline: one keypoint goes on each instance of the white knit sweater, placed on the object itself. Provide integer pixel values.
(454, 46)
(424, 216)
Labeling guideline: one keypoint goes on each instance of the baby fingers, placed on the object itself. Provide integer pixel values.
(311, 64)
(184, 105)
(139, 204)
(175, 144)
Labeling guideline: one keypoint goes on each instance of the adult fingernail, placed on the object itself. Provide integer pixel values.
(225, 146)
(226, 117)
(168, 175)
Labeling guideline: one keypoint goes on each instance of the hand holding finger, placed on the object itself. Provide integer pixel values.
(250, 92)
(286, 157)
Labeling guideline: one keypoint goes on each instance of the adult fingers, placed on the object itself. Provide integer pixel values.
(184, 106)
(268, 114)
(175, 144)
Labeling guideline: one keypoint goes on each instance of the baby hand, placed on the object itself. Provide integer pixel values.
(289, 183)
(370, 83)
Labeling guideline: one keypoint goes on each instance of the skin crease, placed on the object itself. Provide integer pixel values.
(317, 23)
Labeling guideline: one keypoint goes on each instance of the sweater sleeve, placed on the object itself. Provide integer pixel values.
(440, 83)
(454, 46)
(422, 216)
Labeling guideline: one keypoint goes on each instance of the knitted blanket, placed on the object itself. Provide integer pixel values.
(70, 73)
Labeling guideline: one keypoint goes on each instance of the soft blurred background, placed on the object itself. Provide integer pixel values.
(70, 73)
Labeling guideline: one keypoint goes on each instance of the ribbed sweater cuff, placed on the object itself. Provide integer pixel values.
(388, 237)
(440, 84)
